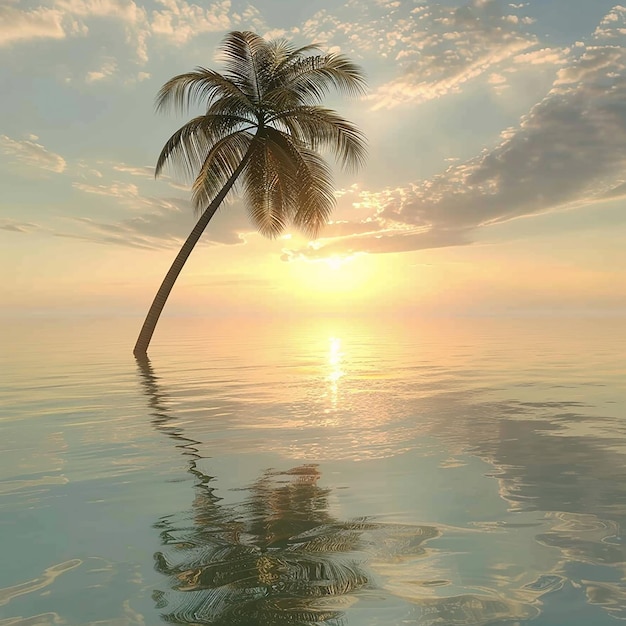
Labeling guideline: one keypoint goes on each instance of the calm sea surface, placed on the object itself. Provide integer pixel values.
(337, 471)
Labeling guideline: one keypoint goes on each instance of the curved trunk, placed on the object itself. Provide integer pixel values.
(143, 341)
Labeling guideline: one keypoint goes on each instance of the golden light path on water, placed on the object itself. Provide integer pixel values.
(335, 357)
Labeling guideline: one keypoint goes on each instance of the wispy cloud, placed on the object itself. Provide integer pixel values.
(436, 48)
(164, 223)
(145, 171)
(17, 226)
(569, 150)
(32, 154)
(439, 48)
(115, 189)
(155, 222)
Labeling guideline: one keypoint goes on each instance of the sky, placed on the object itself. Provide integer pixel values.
(495, 182)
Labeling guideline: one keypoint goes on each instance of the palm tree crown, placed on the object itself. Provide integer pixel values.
(264, 124)
(264, 110)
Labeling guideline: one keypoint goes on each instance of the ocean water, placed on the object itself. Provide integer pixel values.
(329, 471)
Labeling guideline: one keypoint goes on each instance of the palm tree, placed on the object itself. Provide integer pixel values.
(263, 123)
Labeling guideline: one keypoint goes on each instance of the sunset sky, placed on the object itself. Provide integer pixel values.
(495, 184)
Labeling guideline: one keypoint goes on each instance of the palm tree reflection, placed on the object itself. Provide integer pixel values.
(277, 558)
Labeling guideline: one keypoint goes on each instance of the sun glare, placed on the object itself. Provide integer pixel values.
(335, 262)
(335, 276)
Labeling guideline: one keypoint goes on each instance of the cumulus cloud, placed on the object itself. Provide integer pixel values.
(569, 150)
(132, 17)
(180, 21)
(177, 21)
(32, 154)
(125, 10)
(612, 26)
(72, 18)
(436, 48)
(108, 68)
(40, 23)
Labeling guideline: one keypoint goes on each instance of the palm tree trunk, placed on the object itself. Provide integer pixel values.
(143, 341)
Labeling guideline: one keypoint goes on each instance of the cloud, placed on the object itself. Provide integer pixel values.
(16, 226)
(568, 151)
(381, 242)
(108, 68)
(179, 21)
(156, 223)
(115, 190)
(71, 18)
(543, 56)
(152, 231)
(612, 26)
(133, 18)
(124, 10)
(86, 170)
(39, 23)
(145, 171)
(440, 48)
(176, 21)
(32, 154)
(435, 48)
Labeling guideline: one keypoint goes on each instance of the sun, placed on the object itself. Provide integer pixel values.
(335, 262)
(333, 278)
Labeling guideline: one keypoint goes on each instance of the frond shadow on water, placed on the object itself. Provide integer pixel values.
(277, 558)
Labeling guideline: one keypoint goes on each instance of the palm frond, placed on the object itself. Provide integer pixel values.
(202, 86)
(243, 55)
(286, 55)
(186, 149)
(309, 79)
(316, 199)
(318, 127)
(221, 161)
(314, 191)
(270, 184)
(230, 106)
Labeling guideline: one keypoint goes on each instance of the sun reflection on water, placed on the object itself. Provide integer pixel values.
(335, 362)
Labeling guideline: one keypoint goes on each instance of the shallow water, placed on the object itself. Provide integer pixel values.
(333, 471)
